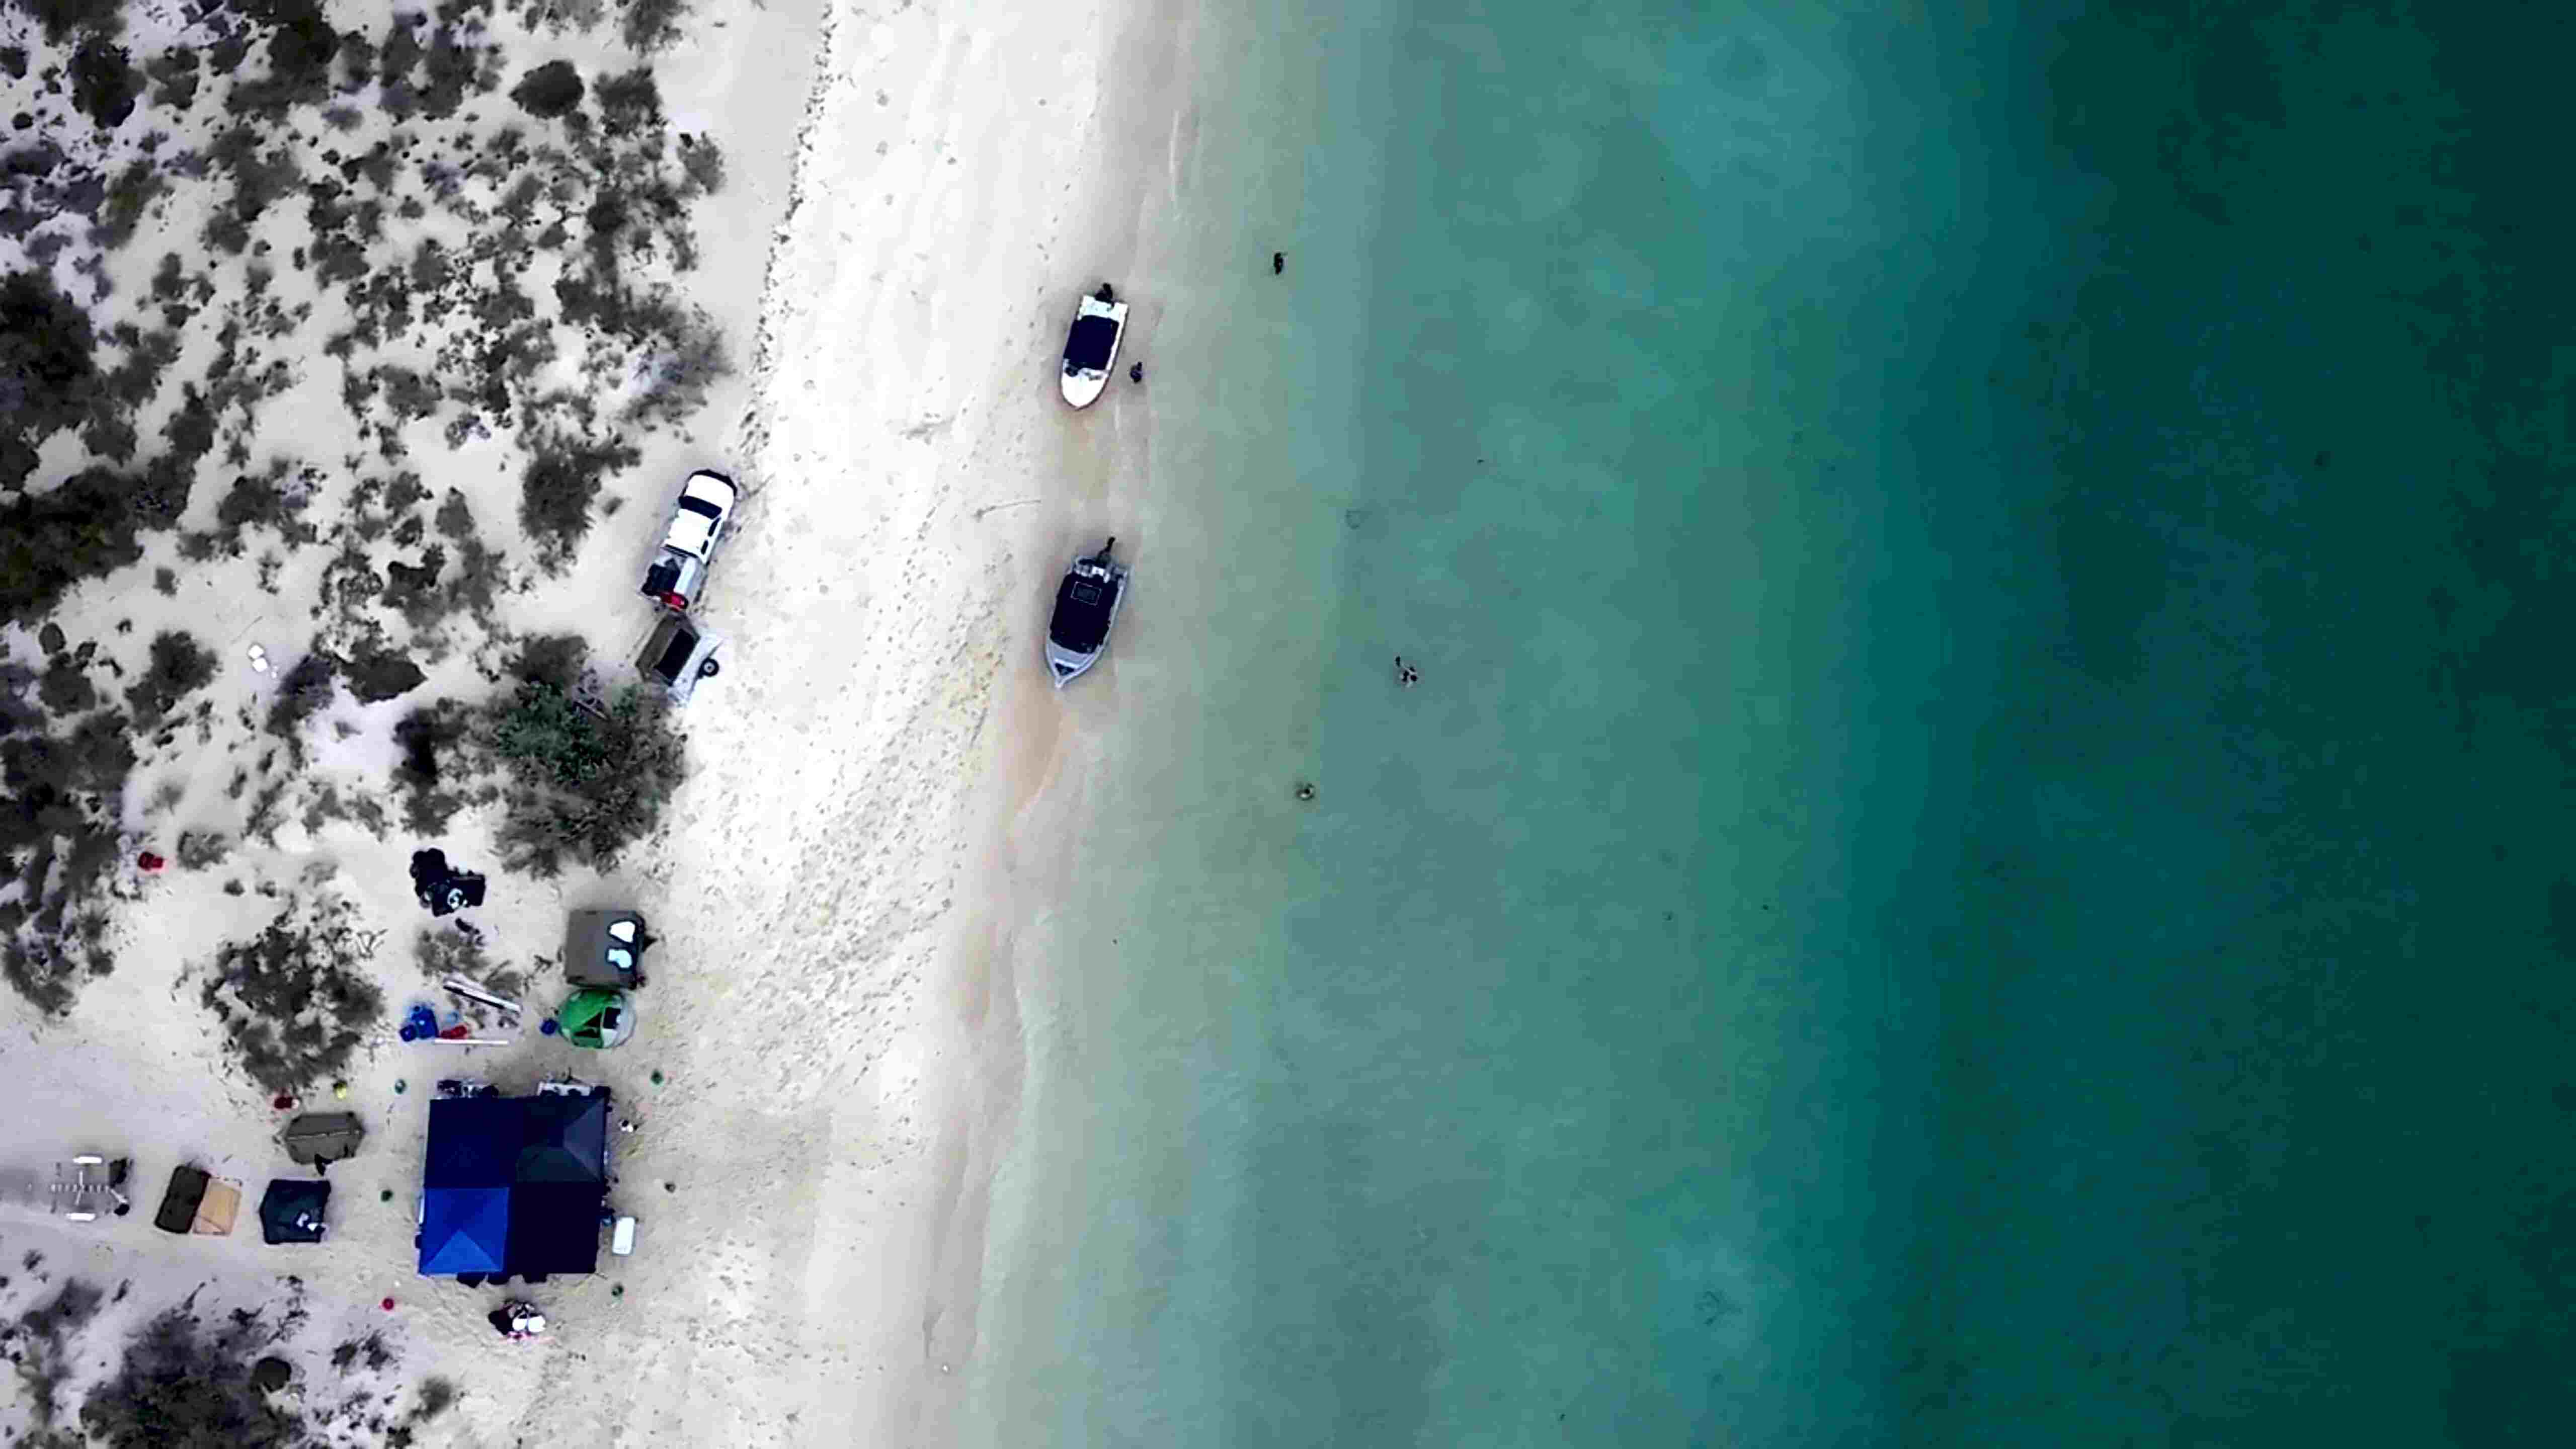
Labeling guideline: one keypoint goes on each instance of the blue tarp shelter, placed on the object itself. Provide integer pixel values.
(464, 1230)
(513, 1185)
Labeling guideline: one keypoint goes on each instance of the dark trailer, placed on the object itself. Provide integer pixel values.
(677, 653)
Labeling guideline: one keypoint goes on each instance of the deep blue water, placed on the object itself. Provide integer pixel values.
(1980, 856)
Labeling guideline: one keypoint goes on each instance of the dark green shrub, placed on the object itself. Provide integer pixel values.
(550, 659)
(265, 500)
(179, 666)
(376, 674)
(187, 1383)
(584, 783)
(48, 365)
(303, 693)
(431, 771)
(649, 25)
(66, 688)
(555, 493)
(295, 1001)
(104, 82)
(175, 77)
(452, 67)
(455, 517)
(551, 90)
(60, 18)
(703, 160)
(412, 589)
(60, 800)
(630, 104)
(40, 1342)
(50, 541)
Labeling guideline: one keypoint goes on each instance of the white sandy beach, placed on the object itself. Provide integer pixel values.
(881, 780)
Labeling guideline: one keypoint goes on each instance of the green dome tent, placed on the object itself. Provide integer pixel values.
(596, 1018)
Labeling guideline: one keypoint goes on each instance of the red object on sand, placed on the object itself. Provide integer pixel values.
(281, 1101)
(389, 1305)
(149, 861)
(453, 1033)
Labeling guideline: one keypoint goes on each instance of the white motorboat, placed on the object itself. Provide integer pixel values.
(1086, 605)
(1091, 348)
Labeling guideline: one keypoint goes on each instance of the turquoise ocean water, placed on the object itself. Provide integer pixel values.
(1981, 855)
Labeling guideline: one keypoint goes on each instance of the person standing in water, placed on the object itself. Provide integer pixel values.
(1278, 263)
(1405, 674)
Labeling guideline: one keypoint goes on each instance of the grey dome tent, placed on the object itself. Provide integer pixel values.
(318, 1139)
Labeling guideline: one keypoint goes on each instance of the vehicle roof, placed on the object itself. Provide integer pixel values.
(716, 488)
(691, 532)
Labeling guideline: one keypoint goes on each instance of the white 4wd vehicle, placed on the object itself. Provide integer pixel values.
(698, 524)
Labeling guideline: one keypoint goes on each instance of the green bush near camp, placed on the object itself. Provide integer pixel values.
(585, 782)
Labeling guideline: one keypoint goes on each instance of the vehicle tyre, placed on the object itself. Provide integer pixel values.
(710, 669)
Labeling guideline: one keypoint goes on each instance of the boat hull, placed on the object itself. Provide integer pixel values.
(1066, 663)
(1091, 350)
(1064, 666)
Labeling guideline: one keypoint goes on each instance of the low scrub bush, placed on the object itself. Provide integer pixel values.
(294, 1001)
(651, 25)
(584, 783)
(104, 82)
(61, 801)
(549, 91)
(184, 1383)
(432, 772)
(41, 1340)
(555, 493)
(303, 693)
(179, 666)
(51, 541)
(48, 368)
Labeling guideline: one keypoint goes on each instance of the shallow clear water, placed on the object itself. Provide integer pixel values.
(1978, 855)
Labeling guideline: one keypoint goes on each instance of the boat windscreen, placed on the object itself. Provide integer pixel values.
(1087, 349)
(1081, 620)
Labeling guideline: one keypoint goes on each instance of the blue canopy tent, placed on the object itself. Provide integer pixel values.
(464, 1230)
(513, 1185)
